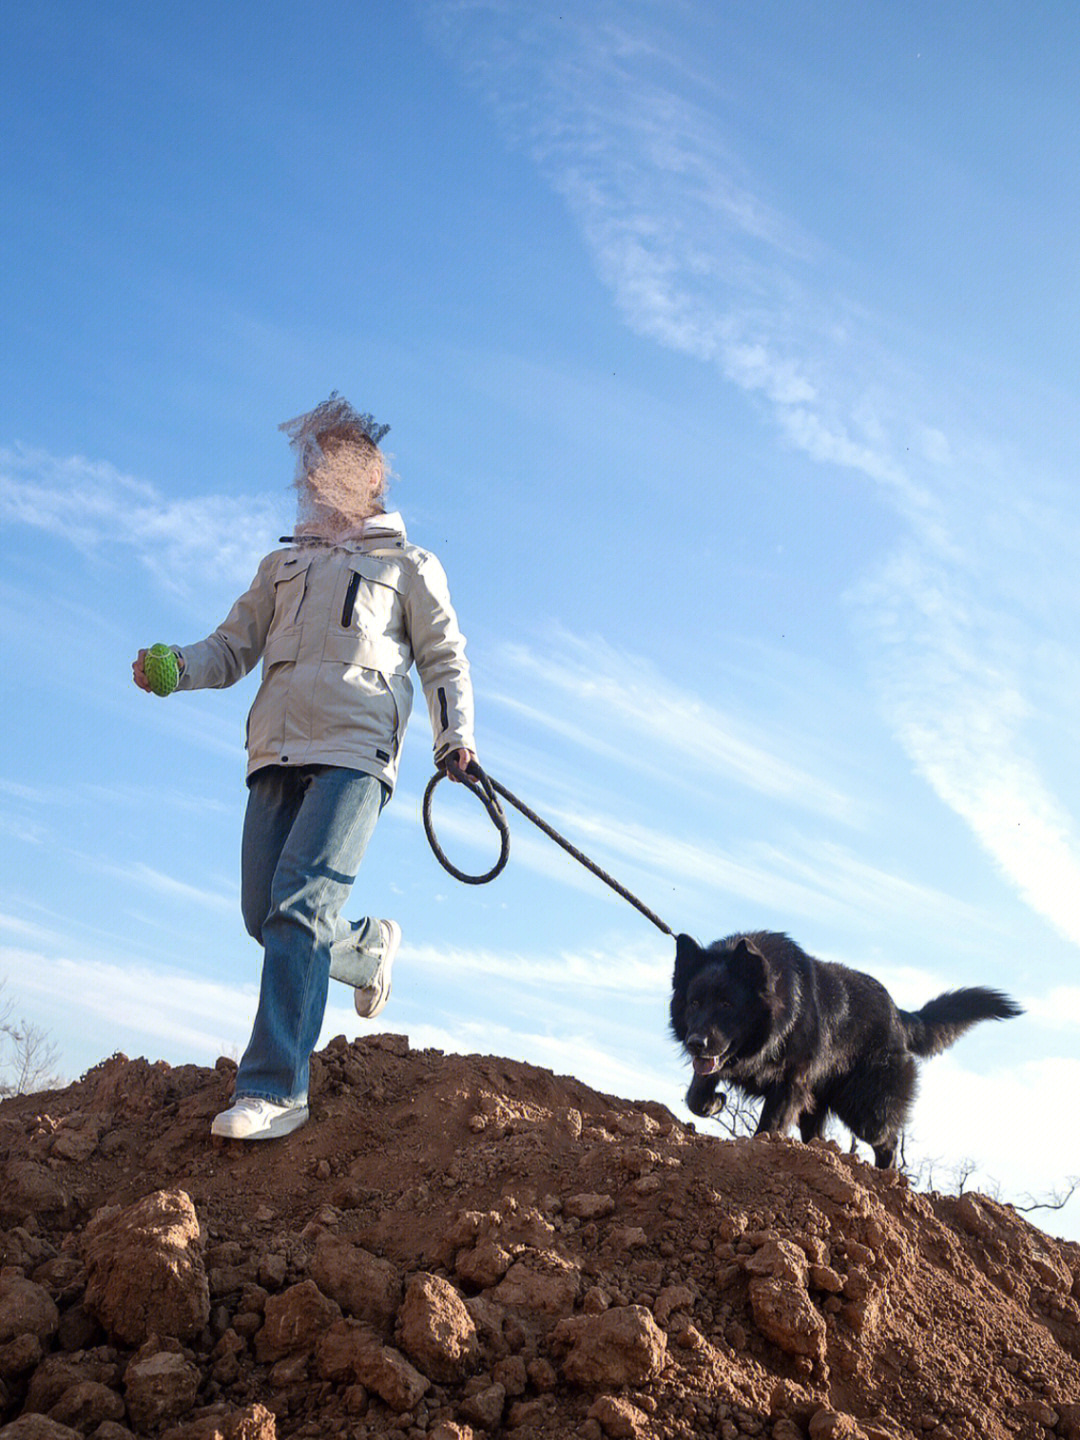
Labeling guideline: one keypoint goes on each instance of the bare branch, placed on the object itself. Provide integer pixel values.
(1056, 1200)
(739, 1116)
(27, 1056)
(963, 1172)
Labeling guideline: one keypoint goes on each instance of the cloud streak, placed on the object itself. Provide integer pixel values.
(122, 1004)
(626, 126)
(630, 970)
(959, 709)
(145, 877)
(186, 544)
(615, 686)
(618, 120)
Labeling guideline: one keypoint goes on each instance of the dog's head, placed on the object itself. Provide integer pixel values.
(720, 997)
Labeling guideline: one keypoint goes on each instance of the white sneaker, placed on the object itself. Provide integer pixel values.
(370, 1000)
(252, 1119)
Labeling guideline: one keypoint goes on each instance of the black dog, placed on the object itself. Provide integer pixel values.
(811, 1038)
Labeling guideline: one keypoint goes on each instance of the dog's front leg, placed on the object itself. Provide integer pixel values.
(779, 1112)
(812, 1123)
(702, 1099)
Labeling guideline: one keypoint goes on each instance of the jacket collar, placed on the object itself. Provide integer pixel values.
(380, 531)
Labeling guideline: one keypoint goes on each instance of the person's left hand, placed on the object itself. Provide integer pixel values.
(138, 674)
(462, 759)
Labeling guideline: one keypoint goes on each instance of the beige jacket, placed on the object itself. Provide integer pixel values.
(338, 627)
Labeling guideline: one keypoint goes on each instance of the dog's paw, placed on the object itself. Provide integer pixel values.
(703, 1098)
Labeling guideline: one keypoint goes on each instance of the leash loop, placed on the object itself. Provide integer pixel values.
(487, 790)
(476, 781)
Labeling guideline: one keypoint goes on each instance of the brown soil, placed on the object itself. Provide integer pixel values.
(463, 1246)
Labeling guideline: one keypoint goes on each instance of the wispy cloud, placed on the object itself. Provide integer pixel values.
(699, 257)
(26, 832)
(955, 697)
(146, 877)
(627, 971)
(138, 797)
(1059, 1008)
(799, 877)
(31, 794)
(185, 543)
(617, 689)
(121, 1006)
(804, 877)
(121, 794)
(626, 126)
(28, 929)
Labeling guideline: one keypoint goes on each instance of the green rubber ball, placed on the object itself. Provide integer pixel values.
(161, 669)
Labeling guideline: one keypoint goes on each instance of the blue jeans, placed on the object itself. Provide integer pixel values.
(305, 833)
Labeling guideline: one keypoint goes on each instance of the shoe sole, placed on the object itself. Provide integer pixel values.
(380, 1003)
(370, 1011)
(280, 1126)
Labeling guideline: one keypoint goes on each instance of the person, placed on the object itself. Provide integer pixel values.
(338, 618)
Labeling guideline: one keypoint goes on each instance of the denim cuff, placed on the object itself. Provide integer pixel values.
(291, 1104)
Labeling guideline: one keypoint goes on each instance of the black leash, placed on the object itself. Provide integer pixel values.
(487, 791)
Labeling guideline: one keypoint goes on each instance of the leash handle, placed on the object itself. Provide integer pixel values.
(475, 780)
(487, 790)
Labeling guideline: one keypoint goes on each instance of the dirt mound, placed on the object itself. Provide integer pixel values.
(462, 1246)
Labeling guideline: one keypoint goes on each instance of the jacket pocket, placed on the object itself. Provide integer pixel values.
(282, 647)
(363, 710)
(401, 691)
(372, 594)
(290, 589)
(372, 651)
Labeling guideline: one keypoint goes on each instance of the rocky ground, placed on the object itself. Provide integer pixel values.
(459, 1247)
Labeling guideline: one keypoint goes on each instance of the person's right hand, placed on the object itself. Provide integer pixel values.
(138, 674)
(462, 759)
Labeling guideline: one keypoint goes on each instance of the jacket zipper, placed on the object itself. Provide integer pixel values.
(350, 600)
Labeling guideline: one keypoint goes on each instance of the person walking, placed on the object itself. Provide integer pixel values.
(338, 617)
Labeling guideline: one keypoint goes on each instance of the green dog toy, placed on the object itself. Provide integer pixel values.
(161, 669)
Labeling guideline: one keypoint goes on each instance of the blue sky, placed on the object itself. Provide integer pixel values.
(727, 349)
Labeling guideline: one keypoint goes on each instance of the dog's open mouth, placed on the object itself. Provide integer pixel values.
(706, 1064)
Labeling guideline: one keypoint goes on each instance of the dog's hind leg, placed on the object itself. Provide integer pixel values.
(885, 1154)
(882, 1107)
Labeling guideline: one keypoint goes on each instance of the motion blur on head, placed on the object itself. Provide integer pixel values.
(341, 474)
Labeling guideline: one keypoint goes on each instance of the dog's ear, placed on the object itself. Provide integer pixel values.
(753, 964)
(689, 958)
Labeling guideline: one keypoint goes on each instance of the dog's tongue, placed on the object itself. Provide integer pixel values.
(705, 1065)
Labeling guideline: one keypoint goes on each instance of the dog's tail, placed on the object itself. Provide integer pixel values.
(942, 1021)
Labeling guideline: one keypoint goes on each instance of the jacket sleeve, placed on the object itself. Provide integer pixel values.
(439, 650)
(236, 645)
